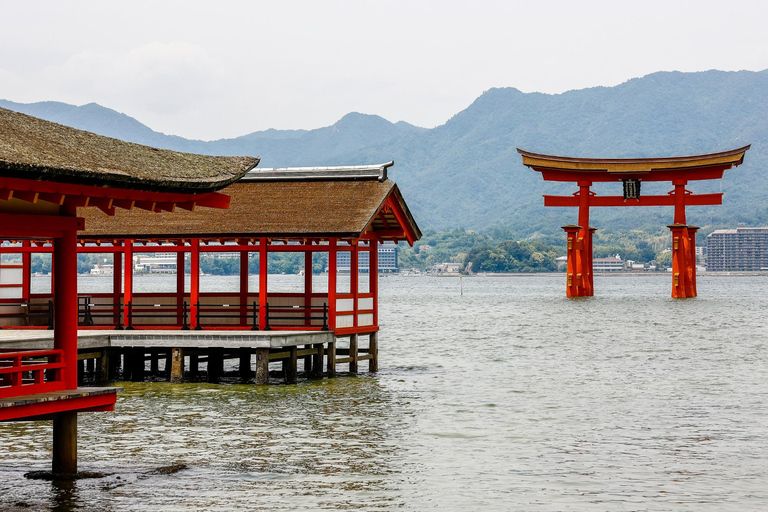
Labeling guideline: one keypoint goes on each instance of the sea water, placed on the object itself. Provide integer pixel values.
(506, 397)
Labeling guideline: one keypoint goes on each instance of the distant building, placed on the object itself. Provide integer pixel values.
(740, 249)
(613, 264)
(162, 263)
(387, 260)
(446, 268)
(103, 269)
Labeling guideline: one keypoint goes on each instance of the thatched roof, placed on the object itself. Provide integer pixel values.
(34, 149)
(275, 209)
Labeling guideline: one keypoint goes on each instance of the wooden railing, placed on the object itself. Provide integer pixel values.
(30, 371)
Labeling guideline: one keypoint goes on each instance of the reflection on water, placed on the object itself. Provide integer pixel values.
(507, 397)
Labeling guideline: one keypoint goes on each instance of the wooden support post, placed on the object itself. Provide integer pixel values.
(103, 367)
(290, 366)
(353, 338)
(194, 366)
(168, 355)
(65, 443)
(308, 361)
(331, 366)
(245, 365)
(80, 372)
(317, 364)
(115, 358)
(126, 365)
(138, 363)
(177, 365)
(154, 363)
(373, 350)
(215, 365)
(262, 366)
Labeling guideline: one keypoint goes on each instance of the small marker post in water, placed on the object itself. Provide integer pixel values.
(461, 285)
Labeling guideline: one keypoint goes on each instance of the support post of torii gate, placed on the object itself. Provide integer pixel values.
(677, 170)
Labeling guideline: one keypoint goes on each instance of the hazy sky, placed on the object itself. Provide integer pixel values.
(217, 68)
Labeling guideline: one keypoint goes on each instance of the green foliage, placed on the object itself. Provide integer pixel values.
(512, 256)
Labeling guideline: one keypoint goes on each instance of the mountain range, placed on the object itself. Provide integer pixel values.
(467, 173)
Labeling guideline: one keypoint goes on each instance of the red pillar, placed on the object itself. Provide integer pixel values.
(692, 237)
(679, 201)
(680, 265)
(26, 270)
(194, 280)
(180, 285)
(65, 302)
(354, 277)
(128, 278)
(590, 258)
(244, 288)
(263, 273)
(332, 271)
(117, 281)
(308, 286)
(374, 276)
(584, 251)
(572, 251)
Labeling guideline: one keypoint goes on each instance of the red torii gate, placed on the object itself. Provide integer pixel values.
(632, 172)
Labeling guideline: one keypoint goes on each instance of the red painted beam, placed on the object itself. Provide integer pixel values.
(104, 402)
(38, 226)
(668, 200)
(703, 173)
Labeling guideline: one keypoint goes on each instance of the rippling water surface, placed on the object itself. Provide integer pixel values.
(508, 397)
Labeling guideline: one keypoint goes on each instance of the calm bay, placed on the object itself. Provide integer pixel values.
(506, 397)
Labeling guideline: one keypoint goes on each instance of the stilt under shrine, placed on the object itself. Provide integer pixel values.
(632, 172)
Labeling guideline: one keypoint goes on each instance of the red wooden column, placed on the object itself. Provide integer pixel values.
(180, 285)
(65, 302)
(692, 237)
(373, 273)
(332, 271)
(585, 238)
(683, 250)
(194, 280)
(308, 287)
(680, 250)
(128, 277)
(117, 280)
(354, 277)
(263, 272)
(590, 262)
(244, 288)
(26, 270)
(572, 286)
